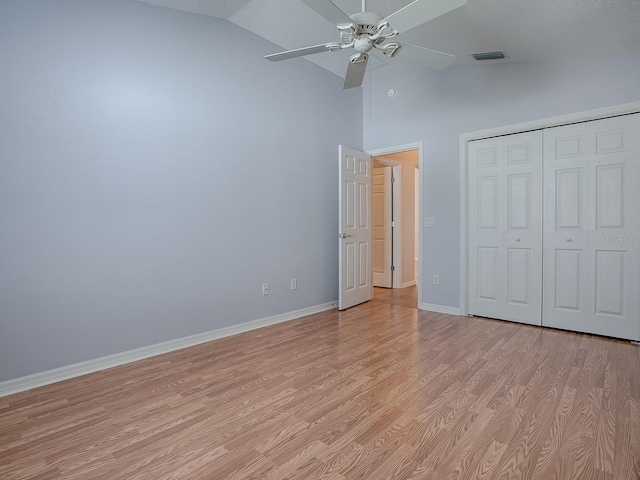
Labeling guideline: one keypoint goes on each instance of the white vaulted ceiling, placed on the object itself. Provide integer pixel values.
(526, 30)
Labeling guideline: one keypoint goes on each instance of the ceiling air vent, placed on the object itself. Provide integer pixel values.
(489, 56)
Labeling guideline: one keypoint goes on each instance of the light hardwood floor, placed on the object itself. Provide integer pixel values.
(407, 297)
(379, 391)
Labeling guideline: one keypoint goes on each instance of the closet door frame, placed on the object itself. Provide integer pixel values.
(465, 138)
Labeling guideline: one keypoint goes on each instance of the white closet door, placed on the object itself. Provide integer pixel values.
(505, 228)
(592, 227)
(614, 208)
(566, 227)
(485, 231)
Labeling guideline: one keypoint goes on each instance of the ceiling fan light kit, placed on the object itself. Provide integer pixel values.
(365, 31)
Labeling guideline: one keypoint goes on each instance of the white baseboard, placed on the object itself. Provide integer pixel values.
(440, 308)
(48, 377)
(408, 284)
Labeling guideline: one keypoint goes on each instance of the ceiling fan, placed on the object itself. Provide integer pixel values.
(365, 31)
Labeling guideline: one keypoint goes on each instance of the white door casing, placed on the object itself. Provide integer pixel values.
(505, 230)
(592, 271)
(381, 227)
(354, 212)
(397, 205)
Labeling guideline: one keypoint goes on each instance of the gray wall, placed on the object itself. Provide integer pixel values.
(154, 171)
(436, 107)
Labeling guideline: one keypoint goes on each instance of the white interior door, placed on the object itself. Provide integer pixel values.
(592, 223)
(505, 228)
(354, 251)
(381, 223)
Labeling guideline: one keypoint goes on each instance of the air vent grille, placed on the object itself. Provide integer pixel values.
(489, 56)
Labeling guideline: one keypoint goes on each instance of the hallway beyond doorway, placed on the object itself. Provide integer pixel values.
(407, 297)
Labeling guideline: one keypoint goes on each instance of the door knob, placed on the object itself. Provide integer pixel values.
(517, 239)
(343, 235)
(568, 239)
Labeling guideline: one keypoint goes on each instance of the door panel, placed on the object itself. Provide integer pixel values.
(592, 227)
(518, 275)
(354, 214)
(610, 196)
(488, 274)
(566, 224)
(381, 225)
(569, 199)
(609, 282)
(519, 196)
(488, 203)
(568, 276)
(505, 231)
(485, 237)
(614, 263)
(522, 257)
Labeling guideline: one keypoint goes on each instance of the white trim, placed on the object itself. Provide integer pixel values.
(551, 122)
(464, 224)
(408, 284)
(403, 148)
(48, 377)
(430, 307)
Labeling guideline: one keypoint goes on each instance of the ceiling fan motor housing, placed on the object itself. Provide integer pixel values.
(367, 22)
(368, 31)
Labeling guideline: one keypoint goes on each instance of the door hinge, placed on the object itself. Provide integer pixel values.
(393, 268)
(393, 224)
(393, 179)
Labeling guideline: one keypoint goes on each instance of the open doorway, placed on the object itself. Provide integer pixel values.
(401, 240)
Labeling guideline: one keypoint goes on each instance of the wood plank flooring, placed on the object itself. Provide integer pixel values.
(380, 391)
(407, 297)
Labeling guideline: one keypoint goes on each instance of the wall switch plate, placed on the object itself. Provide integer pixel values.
(294, 284)
(265, 289)
(436, 279)
(429, 222)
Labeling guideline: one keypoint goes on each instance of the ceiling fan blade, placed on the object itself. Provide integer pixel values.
(329, 10)
(298, 52)
(424, 56)
(355, 71)
(419, 12)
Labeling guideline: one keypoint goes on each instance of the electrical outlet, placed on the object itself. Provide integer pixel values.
(294, 284)
(436, 279)
(265, 289)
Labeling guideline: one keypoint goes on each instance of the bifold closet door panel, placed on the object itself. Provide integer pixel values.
(614, 206)
(505, 227)
(592, 227)
(566, 227)
(485, 232)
